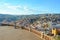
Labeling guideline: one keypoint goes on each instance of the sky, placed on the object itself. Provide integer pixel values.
(27, 7)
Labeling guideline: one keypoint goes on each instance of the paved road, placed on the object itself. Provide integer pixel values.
(9, 33)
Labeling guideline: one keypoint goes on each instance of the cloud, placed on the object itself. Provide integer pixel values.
(7, 8)
(12, 6)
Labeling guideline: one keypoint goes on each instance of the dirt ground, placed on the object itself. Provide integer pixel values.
(9, 33)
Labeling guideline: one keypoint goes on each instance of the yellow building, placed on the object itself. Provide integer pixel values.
(54, 31)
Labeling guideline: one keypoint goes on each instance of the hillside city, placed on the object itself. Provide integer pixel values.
(49, 24)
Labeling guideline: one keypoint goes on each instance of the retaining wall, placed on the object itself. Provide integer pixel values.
(40, 34)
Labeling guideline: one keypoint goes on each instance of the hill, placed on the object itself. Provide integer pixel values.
(9, 18)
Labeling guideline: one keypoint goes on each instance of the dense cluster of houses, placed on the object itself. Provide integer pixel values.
(47, 26)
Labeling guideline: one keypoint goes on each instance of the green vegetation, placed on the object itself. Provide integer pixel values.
(57, 38)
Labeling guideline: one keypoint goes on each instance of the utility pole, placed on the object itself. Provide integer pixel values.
(15, 25)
